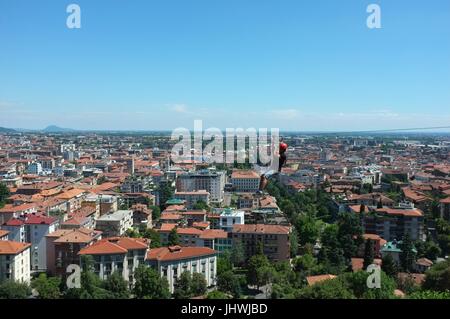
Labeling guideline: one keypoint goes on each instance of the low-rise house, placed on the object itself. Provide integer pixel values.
(423, 264)
(171, 262)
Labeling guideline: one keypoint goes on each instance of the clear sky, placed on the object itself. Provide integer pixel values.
(160, 64)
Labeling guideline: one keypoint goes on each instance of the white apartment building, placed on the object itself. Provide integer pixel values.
(171, 262)
(115, 224)
(230, 217)
(36, 229)
(15, 261)
(210, 180)
(34, 168)
(120, 254)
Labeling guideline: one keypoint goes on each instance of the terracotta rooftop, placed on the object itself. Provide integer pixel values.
(312, 280)
(176, 253)
(3, 233)
(261, 229)
(39, 220)
(244, 174)
(115, 245)
(12, 247)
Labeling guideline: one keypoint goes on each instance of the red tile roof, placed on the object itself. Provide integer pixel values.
(177, 253)
(12, 247)
(115, 245)
(103, 248)
(39, 220)
(261, 229)
(312, 280)
(3, 233)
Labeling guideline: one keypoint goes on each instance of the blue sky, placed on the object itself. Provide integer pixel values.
(160, 64)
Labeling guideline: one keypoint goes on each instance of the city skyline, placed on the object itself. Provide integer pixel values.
(161, 65)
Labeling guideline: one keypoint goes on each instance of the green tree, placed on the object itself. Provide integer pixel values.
(91, 285)
(132, 233)
(306, 265)
(328, 289)
(228, 282)
(438, 277)
(308, 229)
(14, 290)
(389, 266)
(217, 295)
(156, 212)
(294, 242)
(368, 253)
(429, 294)
(4, 194)
(198, 284)
(201, 205)
(117, 286)
(237, 254)
(357, 283)
(149, 284)
(407, 256)
(153, 235)
(165, 193)
(174, 239)
(182, 286)
(256, 269)
(47, 287)
(224, 262)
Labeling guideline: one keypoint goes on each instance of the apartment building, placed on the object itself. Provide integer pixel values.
(16, 229)
(36, 228)
(191, 198)
(274, 240)
(210, 180)
(171, 262)
(445, 208)
(14, 261)
(393, 223)
(245, 181)
(63, 246)
(230, 217)
(120, 254)
(115, 224)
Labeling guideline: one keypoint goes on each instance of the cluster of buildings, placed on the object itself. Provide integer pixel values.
(73, 196)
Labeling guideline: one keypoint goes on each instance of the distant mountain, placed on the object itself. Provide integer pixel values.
(6, 130)
(57, 129)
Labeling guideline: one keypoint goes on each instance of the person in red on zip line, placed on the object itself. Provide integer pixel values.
(282, 160)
